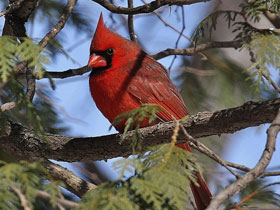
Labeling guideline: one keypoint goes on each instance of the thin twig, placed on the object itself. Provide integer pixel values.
(53, 32)
(30, 83)
(23, 200)
(169, 25)
(267, 77)
(274, 85)
(65, 203)
(147, 8)
(59, 26)
(179, 37)
(65, 74)
(130, 22)
(187, 51)
(251, 195)
(205, 150)
(242, 182)
(11, 7)
(192, 50)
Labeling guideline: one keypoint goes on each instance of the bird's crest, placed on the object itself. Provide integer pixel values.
(103, 37)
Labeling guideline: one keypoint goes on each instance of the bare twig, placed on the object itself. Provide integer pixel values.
(147, 8)
(8, 106)
(267, 77)
(130, 22)
(53, 32)
(170, 26)
(23, 201)
(205, 150)
(274, 85)
(251, 195)
(31, 84)
(192, 50)
(11, 7)
(59, 26)
(241, 183)
(65, 203)
(73, 183)
(188, 51)
(65, 74)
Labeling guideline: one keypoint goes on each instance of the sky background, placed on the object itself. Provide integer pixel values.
(76, 107)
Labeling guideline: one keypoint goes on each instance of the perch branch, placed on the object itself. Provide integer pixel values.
(22, 143)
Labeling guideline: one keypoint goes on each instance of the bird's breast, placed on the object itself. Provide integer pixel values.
(109, 90)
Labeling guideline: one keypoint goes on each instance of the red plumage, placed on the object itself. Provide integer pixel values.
(124, 77)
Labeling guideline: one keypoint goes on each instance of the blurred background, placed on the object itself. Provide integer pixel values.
(214, 80)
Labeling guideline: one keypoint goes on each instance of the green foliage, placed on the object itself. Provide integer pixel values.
(13, 52)
(25, 177)
(33, 54)
(210, 22)
(253, 9)
(249, 11)
(262, 44)
(256, 195)
(39, 115)
(160, 181)
(8, 47)
(266, 54)
(134, 118)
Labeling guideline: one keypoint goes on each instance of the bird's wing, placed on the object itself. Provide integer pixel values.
(151, 84)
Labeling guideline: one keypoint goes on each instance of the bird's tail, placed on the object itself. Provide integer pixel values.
(201, 192)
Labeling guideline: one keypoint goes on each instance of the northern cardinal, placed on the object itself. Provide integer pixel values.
(123, 77)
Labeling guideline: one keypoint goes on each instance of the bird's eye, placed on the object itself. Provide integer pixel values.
(110, 51)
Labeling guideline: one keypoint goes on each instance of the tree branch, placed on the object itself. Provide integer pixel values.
(130, 23)
(242, 182)
(73, 183)
(22, 143)
(65, 74)
(147, 8)
(60, 24)
(188, 51)
(23, 201)
(65, 203)
(11, 7)
(192, 50)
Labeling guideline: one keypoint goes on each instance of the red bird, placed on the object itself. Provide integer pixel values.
(123, 77)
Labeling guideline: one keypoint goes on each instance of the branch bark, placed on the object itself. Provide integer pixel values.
(22, 143)
(145, 8)
(73, 183)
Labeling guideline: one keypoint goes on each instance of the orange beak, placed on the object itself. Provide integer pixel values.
(96, 61)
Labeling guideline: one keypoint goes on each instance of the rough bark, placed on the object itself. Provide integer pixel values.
(22, 142)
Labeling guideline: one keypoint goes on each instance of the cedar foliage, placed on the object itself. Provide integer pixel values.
(160, 176)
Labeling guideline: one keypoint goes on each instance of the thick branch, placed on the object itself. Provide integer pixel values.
(15, 19)
(147, 8)
(11, 7)
(22, 142)
(73, 183)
